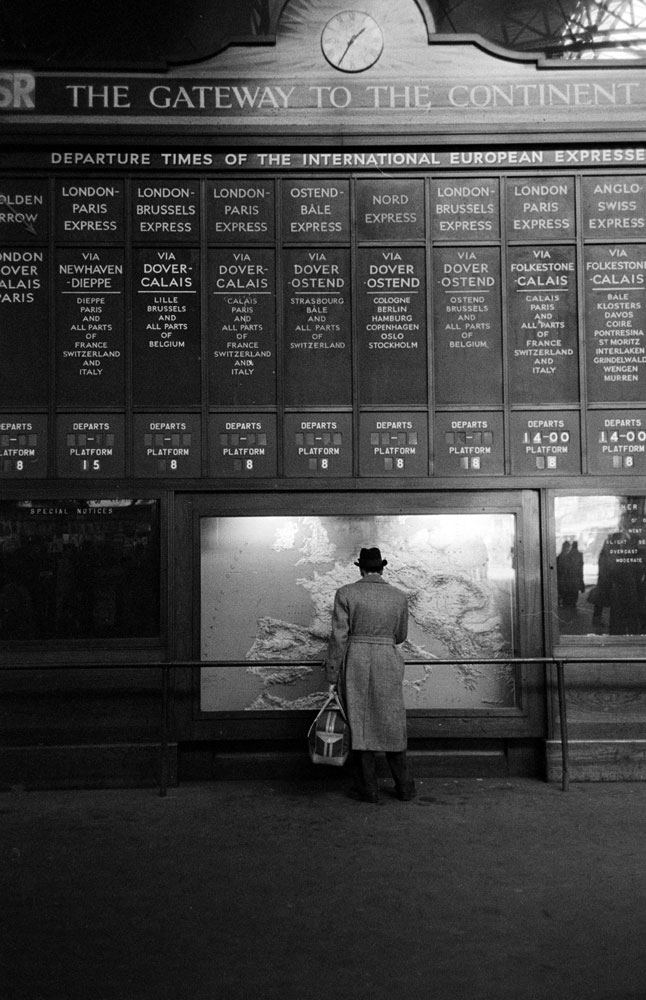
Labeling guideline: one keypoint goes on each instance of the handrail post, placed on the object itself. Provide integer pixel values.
(565, 776)
(163, 743)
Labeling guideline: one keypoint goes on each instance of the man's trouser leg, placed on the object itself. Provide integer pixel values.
(404, 784)
(365, 773)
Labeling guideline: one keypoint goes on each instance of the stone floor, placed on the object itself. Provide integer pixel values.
(478, 889)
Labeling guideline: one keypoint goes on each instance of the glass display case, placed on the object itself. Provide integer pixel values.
(267, 591)
(600, 565)
(79, 569)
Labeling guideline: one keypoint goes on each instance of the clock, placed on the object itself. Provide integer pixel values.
(352, 41)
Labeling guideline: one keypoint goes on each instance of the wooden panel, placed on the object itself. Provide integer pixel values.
(90, 210)
(544, 348)
(390, 210)
(23, 445)
(166, 327)
(469, 443)
(90, 327)
(318, 444)
(317, 348)
(599, 760)
(467, 326)
(24, 326)
(241, 288)
(615, 282)
(392, 343)
(465, 209)
(243, 445)
(90, 445)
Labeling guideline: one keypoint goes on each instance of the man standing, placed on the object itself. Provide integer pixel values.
(369, 619)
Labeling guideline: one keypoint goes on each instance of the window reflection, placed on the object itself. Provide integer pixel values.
(79, 569)
(601, 565)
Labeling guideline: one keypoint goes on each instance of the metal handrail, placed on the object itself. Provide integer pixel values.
(165, 666)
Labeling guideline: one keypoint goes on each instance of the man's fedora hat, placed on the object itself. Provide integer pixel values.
(370, 559)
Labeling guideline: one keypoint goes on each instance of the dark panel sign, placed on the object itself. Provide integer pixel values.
(316, 328)
(24, 327)
(242, 445)
(90, 327)
(240, 211)
(80, 569)
(617, 442)
(166, 328)
(242, 327)
(469, 444)
(543, 340)
(24, 210)
(465, 210)
(90, 211)
(540, 208)
(23, 445)
(545, 442)
(393, 444)
(467, 325)
(318, 444)
(316, 210)
(165, 211)
(167, 445)
(615, 278)
(390, 210)
(613, 207)
(91, 445)
(392, 325)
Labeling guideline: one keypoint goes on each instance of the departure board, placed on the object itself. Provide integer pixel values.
(167, 445)
(243, 446)
(166, 340)
(23, 446)
(90, 212)
(467, 325)
(318, 444)
(390, 213)
(90, 327)
(469, 443)
(259, 316)
(90, 445)
(617, 441)
(242, 326)
(316, 326)
(394, 444)
(465, 210)
(392, 341)
(615, 325)
(24, 326)
(544, 355)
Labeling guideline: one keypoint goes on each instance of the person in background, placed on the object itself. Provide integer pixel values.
(369, 620)
(570, 576)
(561, 560)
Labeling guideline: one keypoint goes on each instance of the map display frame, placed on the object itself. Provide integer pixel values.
(267, 591)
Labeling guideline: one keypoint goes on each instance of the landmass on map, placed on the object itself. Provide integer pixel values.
(451, 602)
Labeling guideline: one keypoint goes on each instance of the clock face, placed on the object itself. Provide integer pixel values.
(352, 41)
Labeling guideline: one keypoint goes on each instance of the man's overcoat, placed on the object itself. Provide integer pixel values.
(369, 618)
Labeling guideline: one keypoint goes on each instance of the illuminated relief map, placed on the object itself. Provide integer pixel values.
(268, 587)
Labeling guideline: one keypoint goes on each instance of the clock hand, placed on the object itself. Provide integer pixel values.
(351, 42)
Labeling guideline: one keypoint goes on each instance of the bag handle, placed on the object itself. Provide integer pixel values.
(333, 701)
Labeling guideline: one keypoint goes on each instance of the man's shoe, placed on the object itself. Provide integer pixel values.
(406, 792)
